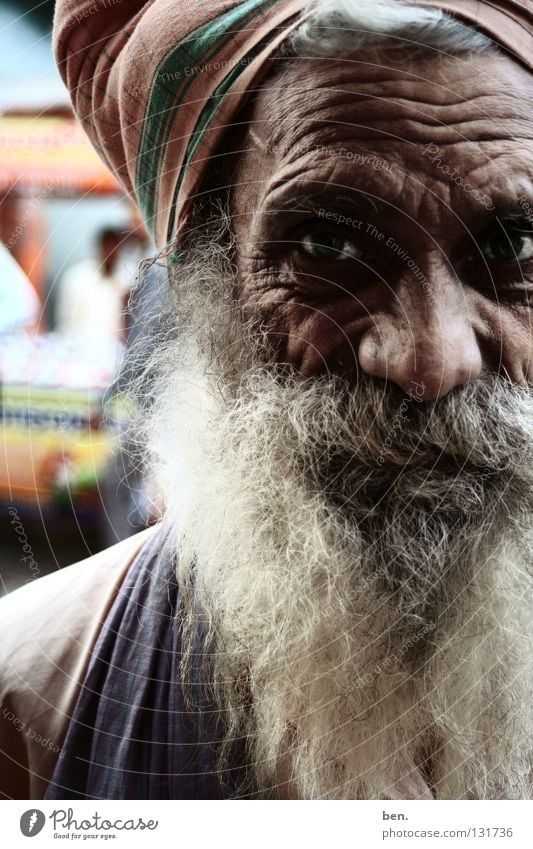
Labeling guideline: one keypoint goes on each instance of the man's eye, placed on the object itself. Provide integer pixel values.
(510, 246)
(324, 244)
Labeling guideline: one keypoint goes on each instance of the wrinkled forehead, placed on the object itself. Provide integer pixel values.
(392, 78)
(476, 109)
(446, 94)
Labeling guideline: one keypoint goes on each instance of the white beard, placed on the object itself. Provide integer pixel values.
(368, 599)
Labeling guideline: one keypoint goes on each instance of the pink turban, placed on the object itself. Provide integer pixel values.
(157, 83)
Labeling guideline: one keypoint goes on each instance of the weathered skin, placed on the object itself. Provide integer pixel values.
(460, 312)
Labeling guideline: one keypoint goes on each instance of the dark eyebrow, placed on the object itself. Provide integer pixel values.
(314, 201)
(517, 208)
(508, 209)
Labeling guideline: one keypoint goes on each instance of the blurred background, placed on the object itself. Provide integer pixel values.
(70, 245)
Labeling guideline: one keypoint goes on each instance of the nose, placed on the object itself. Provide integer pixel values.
(426, 348)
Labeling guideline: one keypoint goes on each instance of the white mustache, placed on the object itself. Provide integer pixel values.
(485, 426)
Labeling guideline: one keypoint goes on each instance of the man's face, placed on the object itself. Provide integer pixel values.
(364, 557)
(384, 219)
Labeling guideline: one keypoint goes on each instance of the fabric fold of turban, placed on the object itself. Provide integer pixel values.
(157, 83)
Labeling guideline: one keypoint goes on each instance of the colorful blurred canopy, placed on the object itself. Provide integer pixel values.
(51, 154)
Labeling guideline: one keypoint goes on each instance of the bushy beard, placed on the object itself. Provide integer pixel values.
(361, 561)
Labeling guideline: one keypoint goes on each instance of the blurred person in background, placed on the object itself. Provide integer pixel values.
(92, 293)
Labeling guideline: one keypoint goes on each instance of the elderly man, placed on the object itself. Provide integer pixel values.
(337, 601)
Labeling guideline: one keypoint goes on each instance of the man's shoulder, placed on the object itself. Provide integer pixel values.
(60, 606)
(48, 629)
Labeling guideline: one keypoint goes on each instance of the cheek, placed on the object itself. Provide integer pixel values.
(505, 337)
(314, 336)
(320, 341)
(514, 337)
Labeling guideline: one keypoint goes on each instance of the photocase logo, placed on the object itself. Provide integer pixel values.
(32, 822)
